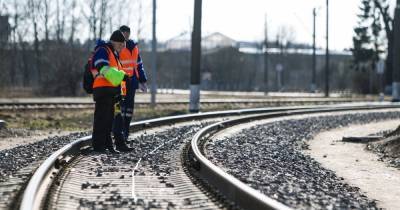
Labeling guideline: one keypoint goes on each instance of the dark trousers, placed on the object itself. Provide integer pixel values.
(123, 119)
(103, 117)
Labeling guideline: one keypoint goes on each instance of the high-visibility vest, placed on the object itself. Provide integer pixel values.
(101, 81)
(128, 60)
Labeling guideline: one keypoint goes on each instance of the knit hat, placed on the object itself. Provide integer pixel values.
(125, 28)
(117, 36)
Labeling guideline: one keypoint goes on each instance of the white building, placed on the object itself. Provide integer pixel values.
(217, 40)
(180, 42)
(209, 42)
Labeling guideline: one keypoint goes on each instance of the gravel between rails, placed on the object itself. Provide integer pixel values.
(104, 181)
(269, 158)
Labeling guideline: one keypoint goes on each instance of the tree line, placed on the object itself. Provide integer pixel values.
(49, 41)
(374, 39)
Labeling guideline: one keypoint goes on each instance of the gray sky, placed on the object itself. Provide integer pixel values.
(244, 19)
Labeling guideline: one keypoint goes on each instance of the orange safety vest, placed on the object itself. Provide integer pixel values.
(101, 81)
(128, 60)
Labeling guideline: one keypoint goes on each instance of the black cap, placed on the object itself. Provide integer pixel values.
(125, 28)
(117, 36)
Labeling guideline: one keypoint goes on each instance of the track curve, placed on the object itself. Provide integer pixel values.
(34, 194)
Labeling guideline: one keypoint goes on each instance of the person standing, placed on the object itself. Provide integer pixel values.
(107, 73)
(132, 65)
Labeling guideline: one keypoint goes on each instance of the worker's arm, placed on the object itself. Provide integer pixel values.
(100, 58)
(102, 64)
(142, 73)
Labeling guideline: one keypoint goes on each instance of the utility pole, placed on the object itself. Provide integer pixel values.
(266, 56)
(154, 59)
(196, 59)
(314, 58)
(327, 51)
(396, 54)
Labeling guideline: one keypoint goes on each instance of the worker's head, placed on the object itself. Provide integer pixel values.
(117, 40)
(126, 31)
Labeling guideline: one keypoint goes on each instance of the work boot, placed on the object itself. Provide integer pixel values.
(112, 150)
(121, 145)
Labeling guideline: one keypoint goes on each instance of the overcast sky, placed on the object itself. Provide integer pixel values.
(244, 19)
(241, 20)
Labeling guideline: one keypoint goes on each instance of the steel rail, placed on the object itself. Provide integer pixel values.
(32, 198)
(53, 105)
(254, 100)
(232, 188)
(38, 181)
(33, 195)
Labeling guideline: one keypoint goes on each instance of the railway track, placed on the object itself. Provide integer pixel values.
(168, 169)
(232, 188)
(48, 166)
(44, 105)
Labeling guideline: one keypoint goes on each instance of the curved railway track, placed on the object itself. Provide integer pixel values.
(168, 171)
(232, 188)
(38, 182)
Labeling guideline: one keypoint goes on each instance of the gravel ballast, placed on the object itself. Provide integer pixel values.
(12, 160)
(269, 158)
(159, 152)
(146, 145)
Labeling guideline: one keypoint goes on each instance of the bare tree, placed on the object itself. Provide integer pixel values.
(3, 8)
(74, 22)
(19, 26)
(284, 38)
(285, 35)
(139, 21)
(98, 17)
(33, 12)
(28, 75)
(46, 16)
(58, 21)
(383, 7)
(4, 16)
(91, 18)
(15, 18)
(104, 10)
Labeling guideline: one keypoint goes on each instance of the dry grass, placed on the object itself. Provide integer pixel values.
(69, 119)
(82, 119)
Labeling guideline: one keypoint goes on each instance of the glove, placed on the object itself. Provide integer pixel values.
(143, 87)
(113, 75)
